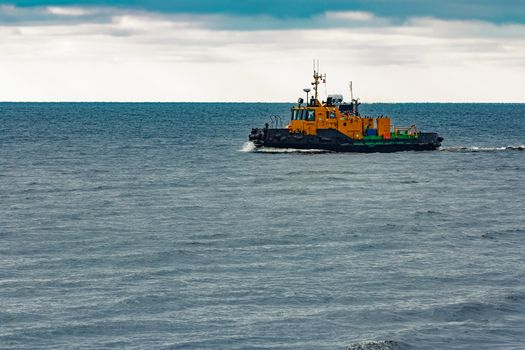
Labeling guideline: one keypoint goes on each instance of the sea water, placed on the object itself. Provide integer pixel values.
(156, 226)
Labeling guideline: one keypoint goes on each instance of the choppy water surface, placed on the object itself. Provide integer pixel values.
(156, 226)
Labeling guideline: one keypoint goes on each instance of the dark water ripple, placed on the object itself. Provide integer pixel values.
(146, 226)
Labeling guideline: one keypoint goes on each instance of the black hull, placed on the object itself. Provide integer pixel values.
(333, 140)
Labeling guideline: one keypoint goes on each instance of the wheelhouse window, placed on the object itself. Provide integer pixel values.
(303, 114)
(311, 116)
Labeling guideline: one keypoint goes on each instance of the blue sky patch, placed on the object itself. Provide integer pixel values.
(502, 11)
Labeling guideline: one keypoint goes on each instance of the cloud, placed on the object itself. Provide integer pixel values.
(11, 15)
(116, 54)
(349, 15)
(69, 11)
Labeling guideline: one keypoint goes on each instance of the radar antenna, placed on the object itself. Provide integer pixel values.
(307, 90)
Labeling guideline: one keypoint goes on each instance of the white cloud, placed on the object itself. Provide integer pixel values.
(136, 56)
(68, 11)
(350, 15)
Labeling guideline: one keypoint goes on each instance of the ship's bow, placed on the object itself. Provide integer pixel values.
(257, 136)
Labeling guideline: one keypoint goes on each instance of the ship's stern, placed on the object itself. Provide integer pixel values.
(432, 139)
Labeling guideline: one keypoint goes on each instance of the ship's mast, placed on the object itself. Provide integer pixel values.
(317, 76)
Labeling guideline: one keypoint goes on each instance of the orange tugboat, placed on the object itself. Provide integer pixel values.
(337, 126)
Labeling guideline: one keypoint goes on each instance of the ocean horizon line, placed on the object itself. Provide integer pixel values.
(257, 102)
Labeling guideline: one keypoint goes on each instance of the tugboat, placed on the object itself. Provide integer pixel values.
(335, 125)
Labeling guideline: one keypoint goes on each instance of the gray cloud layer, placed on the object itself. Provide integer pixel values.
(117, 49)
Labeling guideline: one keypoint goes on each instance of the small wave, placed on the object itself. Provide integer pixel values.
(502, 234)
(470, 311)
(424, 213)
(379, 345)
(516, 297)
(482, 149)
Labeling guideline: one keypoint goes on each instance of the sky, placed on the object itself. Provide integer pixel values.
(262, 51)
